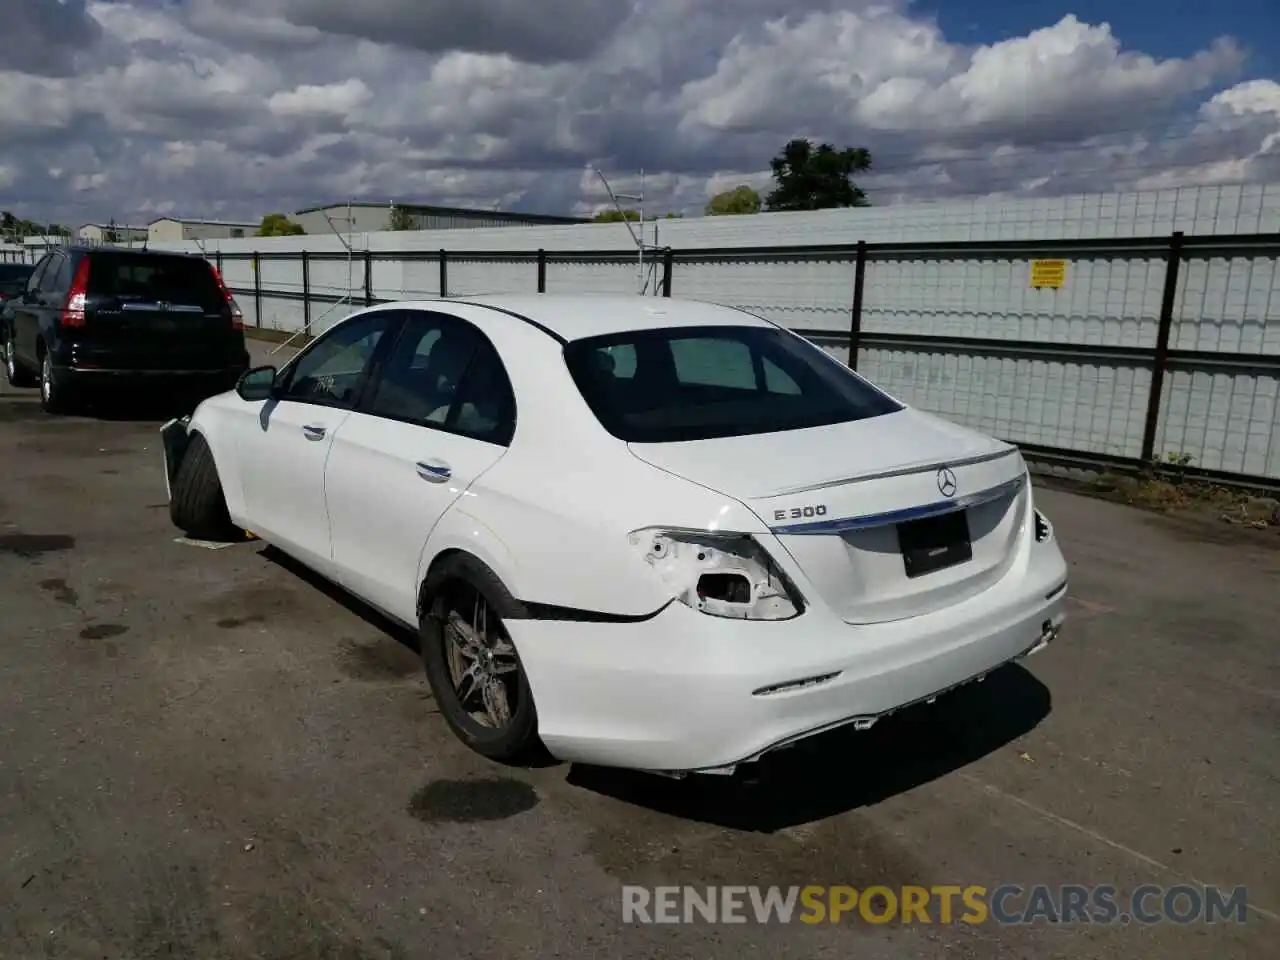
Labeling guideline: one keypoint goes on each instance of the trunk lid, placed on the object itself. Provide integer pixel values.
(889, 517)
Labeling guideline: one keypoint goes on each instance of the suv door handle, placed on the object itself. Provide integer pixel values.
(313, 432)
(436, 471)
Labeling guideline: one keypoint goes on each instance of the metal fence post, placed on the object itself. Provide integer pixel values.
(257, 289)
(855, 313)
(1161, 358)
(444, 273)
(542, 270)
(668, 267)
(306, 291)
(217, 261)
(368, 278)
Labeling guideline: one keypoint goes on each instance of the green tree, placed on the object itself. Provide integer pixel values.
(739, 200)
(400, 219)
(615, 216)
(279, 225)
(817, 178)
(58, 230)
(16, 229)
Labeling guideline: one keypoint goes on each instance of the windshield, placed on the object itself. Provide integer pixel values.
(696, 383)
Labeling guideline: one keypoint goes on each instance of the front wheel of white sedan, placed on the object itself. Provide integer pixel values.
(476, 676)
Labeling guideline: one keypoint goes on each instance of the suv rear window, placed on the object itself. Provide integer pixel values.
(154, 277)
(696, 383)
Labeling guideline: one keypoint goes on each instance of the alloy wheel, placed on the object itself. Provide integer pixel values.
(483, 668)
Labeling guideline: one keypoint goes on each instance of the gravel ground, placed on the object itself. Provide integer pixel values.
(210, 753)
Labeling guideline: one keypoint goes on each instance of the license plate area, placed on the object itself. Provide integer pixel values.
(935, 543)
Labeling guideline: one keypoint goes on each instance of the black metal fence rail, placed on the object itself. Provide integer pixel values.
(1175, 249)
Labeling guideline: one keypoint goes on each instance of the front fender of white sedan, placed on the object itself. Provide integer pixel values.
(215, 419)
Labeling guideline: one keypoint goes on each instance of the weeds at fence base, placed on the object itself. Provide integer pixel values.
(275, 336)
(1164, 489)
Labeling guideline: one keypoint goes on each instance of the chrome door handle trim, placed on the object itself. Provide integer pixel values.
(312, 432)
(433, 472)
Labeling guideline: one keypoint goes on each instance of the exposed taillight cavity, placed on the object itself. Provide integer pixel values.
(73, 311)
(1044, 529)
(237, 315)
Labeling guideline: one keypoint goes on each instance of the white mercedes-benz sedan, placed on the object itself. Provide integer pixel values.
(650, 533)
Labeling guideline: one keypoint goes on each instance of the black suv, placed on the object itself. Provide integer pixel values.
(92, 317)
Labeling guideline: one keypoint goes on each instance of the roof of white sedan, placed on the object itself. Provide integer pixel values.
(574, 317)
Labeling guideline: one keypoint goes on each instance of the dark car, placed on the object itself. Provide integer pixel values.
(95, 318)
(13, 280)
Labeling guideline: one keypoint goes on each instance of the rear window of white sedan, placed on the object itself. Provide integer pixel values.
(697, 383)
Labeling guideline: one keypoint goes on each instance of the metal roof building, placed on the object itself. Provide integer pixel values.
(370, 217)
(177, 229)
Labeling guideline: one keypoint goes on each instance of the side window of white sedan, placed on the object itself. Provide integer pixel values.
(444, 373)
(329, 372)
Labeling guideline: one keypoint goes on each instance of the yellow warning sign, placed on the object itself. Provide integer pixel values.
(1048, 273)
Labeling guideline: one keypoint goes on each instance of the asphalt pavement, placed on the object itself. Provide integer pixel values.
(211, 753)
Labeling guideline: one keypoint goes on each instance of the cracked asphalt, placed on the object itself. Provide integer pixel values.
(210, 753)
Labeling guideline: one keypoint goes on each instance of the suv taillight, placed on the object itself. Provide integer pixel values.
(73, 311)
(237, 316)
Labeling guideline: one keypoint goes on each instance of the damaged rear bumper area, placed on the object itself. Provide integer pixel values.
(687, 693)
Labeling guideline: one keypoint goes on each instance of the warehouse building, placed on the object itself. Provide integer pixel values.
(367, 217)
(177, 229)
(99, 233)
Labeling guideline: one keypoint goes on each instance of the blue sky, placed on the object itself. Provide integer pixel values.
(1162, 28)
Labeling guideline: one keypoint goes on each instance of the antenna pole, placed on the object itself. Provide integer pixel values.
(346, 297)
(636, 238)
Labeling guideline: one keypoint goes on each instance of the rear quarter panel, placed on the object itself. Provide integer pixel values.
(552, 517)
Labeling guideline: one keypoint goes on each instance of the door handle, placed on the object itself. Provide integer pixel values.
(433, 471)
(313, 432)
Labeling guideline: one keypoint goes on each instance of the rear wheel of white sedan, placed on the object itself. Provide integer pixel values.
(476, 676)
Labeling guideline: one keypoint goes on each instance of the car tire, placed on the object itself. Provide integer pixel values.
(512, 738)
(197, 505)
(16, 374)
(56, 395)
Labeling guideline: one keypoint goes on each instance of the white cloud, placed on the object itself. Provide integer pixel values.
(239, 107)
(328, 99)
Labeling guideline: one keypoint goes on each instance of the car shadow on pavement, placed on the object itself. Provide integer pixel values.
(140, 406)
(817, 778)
(131, 406)
(840, 771)
(375, 618)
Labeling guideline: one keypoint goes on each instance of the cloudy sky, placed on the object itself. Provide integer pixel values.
(134, 109)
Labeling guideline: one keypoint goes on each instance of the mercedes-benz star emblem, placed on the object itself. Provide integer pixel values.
(947, 482)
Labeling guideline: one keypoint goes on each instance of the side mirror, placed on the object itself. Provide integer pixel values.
(257, 384)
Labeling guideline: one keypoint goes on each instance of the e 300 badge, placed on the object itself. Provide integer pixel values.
(801, 513)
